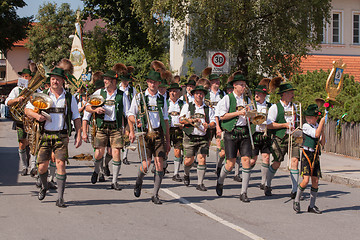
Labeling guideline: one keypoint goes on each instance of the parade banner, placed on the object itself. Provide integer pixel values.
(77, 56)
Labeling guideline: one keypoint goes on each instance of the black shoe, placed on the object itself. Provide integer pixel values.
(219, 189)
(267, 191)
(315, 209)
(24, 172)
(186, 180)
(101, 177)
(237, 178)
(177, 178)
(262, 186)
(201, 187)
(115, 186)
(244, 198)
(33, 172)
(38, 182)
(94, 178)
(156, 200)
(42, 194)
(296, 207)
(292, 195)
(137, 189)
(166, 171)
(126, 161)
(107, 170)
(60, 203)
(52, 185)
(218, 170)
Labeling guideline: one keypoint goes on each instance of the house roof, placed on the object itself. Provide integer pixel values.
(324, 62)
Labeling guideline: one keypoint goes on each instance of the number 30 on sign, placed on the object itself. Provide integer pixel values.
(219, 61)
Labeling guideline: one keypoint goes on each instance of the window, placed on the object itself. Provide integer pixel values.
(356, 28)
(336, 27)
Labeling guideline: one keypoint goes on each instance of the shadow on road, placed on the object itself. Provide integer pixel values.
(10, 159)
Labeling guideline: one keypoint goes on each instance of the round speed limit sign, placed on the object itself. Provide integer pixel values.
(218, 59)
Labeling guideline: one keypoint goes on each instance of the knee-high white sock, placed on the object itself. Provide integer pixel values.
(294, 176)
(177, 162)
(246, 172)
(23, 158)
(201, 169)
(97, 164)
(116, 170)
(52, 169)
(223, 174)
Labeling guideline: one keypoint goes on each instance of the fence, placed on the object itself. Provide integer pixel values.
(348, 143)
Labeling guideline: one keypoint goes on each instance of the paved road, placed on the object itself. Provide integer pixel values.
(97, 212)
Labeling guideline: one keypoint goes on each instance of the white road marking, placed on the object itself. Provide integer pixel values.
(212, 216)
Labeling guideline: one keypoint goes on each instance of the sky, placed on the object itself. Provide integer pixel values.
(33, 6)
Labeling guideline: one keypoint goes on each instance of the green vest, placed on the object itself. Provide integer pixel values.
(230, 124)
(160, 101)
(68, 114)
(99, 118)
(188, 128)
(181, 104)
(309, 141)
(280, 118)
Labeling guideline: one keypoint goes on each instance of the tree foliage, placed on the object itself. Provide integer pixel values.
(263, 35)
(13, 28)
(124, 28)
(49, 40)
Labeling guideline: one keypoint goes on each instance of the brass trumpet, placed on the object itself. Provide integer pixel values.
(196, 125)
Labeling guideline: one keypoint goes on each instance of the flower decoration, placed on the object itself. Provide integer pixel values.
(326, 105)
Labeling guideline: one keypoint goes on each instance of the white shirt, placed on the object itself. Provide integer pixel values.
(126, 91)
(186, 112)
(174, 107)
(154, 115)
(58, 119)
(189, 97)
(261, 108)
(273, 111)
(110, 109)
(215, 97)
(224, 105)
(15, 92)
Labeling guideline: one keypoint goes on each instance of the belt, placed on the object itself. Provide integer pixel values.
(64, 131)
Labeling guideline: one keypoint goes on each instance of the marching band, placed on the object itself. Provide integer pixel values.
(120, 112)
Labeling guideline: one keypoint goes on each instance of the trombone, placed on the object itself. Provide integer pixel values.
(141, 133)
(296, 122)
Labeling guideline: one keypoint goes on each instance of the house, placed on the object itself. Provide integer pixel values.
(341, 39)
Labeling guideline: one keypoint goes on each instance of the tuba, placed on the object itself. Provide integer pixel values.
(41, 102)
(17, 110)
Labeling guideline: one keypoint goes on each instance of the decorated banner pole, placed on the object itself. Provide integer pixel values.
(77, 56)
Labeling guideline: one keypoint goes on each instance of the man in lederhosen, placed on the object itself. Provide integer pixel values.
(232, 110)
(281, 121)
(159, 145)
(197, 119)
(109, 120)
(14, 98)
(125, 86)
(176, 133)
(56, 134)
(262, 141)
(214, 96)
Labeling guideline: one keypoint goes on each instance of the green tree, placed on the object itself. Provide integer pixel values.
(49, 40)
(13, 28)
(262, 35)
(125, 30)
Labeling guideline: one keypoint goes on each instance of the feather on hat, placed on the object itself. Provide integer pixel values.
(66, 65)
(157, 66)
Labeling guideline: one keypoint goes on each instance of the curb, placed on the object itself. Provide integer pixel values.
(334, 178)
